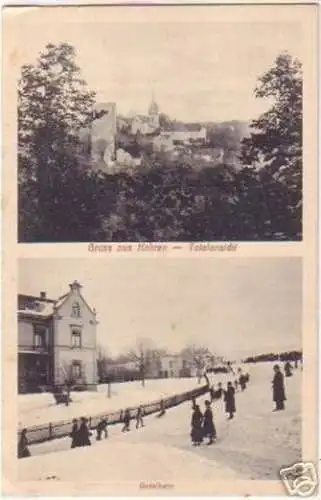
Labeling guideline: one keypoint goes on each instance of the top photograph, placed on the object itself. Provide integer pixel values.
(175, 130)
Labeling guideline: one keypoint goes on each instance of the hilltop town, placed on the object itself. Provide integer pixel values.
(117, 141)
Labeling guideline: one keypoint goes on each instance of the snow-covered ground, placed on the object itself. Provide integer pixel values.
(37, 409)
(255, 445)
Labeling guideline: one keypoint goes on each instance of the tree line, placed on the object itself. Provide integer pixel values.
(295, 355)
(62, 198)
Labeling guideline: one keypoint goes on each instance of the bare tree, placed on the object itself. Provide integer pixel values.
(198, 356)
(103, 362)
(143, 354)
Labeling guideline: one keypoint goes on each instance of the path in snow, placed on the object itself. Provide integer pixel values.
(253, 446)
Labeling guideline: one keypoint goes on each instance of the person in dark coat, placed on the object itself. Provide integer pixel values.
(84, 433)
(278, 388)
(75, 441)
(126, 420)
(23, 450)
(139, 417)
(162, 410)
(208, 423)
(242, 381)
(229, 398)
(196, 424)
(247, 378)
(219, 392)
(288, 369)
(102, 428)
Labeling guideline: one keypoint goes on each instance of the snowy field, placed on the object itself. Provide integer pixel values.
(37, 409)
(255, 445)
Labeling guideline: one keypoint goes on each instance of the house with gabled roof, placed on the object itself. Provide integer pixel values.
(56, 341)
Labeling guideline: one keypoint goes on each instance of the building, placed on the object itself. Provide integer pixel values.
(185, 132)
(171, 366)
(145, 125)
(56, 341)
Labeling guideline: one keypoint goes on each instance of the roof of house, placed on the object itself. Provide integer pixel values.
(42, 307)
(182, 127)
(35, 306)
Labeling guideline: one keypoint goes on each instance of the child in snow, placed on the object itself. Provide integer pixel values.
(162, 409)
(102, 428)
(74, 434)
(242, 381)
(126, 420)
(139, 417)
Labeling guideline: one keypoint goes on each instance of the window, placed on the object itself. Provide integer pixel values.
(75, 313)
(76, 369)
(38, 340)
(39, 336)
(75, 337)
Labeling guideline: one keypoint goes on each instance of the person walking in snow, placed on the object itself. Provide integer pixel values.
(23, 449)
(208, 423)
(288, 369)
(196, 424)
(102, 428)
(139, 417)
(74, 434)
(229, 398)
(242, 381)
(126, 420)
(162, 409)
(278, 388)
(84, 433)
(219, 393)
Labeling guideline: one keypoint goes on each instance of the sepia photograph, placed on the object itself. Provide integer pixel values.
(145, 127)
(159, 370)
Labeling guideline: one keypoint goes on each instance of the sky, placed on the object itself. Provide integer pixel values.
(198, 71)
(236, 307)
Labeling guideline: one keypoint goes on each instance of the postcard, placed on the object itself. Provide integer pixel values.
(159, 258)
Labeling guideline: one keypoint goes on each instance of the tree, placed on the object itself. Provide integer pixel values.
(143, 355)
(54, 104)
(198, 355)
(275, 144)
(103, 362)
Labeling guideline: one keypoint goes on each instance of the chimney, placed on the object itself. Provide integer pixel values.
(43, 295)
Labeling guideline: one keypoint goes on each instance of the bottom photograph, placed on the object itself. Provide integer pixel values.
(159, 370)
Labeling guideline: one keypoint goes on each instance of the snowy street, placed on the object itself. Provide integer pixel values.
(252, 446)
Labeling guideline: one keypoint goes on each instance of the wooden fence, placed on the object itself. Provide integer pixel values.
(62, 428)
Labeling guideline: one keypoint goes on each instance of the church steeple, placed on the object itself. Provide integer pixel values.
(153, 108)
(153, 112)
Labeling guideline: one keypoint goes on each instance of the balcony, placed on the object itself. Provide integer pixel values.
(33, 349)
